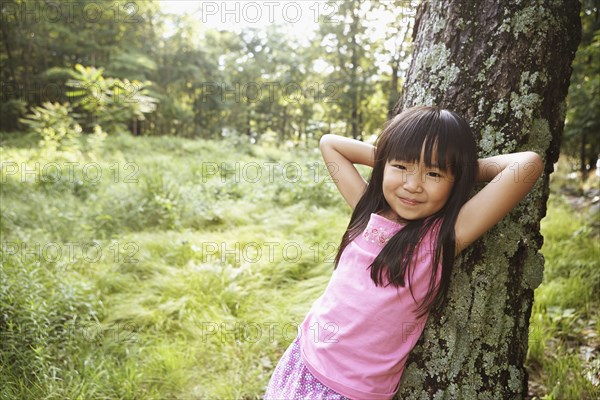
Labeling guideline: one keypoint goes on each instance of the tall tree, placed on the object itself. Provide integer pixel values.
(397, 46)
(505, 66)
(349, 49)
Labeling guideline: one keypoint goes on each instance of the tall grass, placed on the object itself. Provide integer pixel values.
(182, 274)
(176, 278)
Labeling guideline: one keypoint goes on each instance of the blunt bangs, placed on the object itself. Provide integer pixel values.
(438, 134)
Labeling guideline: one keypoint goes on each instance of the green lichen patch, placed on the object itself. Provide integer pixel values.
(539, 136)
(522, 105)
(436, 68)
(488, 141)
(533, 270)
(516, 379)
(528, 19)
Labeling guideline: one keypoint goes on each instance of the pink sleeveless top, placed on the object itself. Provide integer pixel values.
(357, 336)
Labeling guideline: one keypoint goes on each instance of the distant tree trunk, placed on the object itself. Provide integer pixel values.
(582, 156)
(11, 63)
(354, 118)
(393, 87)
(505, 67)
(248, 123)
(360, 126)
(134, 127)
(282, 133)
(354, 73)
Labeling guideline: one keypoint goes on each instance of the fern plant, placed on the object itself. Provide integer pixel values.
(56, 125)
(109, 102)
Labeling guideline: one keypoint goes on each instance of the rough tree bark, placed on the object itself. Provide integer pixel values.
(505, 66)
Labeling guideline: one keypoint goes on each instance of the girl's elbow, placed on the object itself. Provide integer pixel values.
(328, 142)
(535, 157)
(537, 162)
(324, 141)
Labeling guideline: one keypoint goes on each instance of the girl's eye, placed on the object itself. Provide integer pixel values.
(399, 166)
(434, 174)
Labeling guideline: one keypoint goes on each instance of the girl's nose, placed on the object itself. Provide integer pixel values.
(412, 182)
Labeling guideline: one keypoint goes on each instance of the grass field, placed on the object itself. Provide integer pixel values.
(165, 268)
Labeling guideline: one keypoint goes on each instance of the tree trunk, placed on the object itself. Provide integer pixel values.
(354, 71)
(11, 64)
(582, 156)
(282, 133)
(393, 87)
(505, 67)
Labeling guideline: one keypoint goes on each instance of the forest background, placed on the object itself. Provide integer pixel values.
(144, 153)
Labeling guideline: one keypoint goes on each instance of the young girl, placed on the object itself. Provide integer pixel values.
(395, 259)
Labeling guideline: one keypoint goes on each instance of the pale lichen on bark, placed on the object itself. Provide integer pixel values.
(436, 68)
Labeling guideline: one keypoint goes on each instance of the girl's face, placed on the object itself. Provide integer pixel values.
(415, 191)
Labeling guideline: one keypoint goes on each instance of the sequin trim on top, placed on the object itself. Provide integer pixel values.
(378, 234)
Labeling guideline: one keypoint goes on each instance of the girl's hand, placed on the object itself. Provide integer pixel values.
(511, 177)
(340, 155)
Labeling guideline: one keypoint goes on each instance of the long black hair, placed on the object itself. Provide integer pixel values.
(415, 131)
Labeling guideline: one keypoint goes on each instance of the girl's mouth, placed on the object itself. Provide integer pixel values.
(409, 202)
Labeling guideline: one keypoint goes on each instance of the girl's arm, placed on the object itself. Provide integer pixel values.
(340, 155)
(511, 177)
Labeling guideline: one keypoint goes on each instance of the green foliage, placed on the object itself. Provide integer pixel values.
(308, 184)
(349, 51)
(561, 359)
(209, 82)
(11, 111)
(40, 312)
(109, 102)
(133, 65)
(159, 203)
(581, 139)
(56, 125)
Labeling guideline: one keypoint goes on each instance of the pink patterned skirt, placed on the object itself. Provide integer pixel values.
(291, 380)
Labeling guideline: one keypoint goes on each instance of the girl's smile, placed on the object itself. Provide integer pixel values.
(409, 202)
